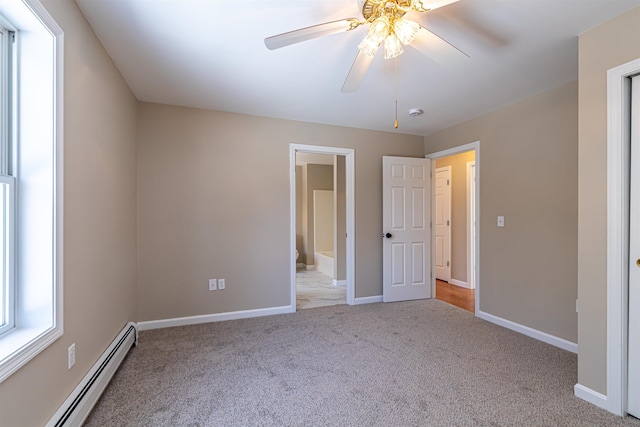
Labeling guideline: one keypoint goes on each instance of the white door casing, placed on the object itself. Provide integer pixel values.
(633, 382)
(406, 193)
(471, 224)
(442, 223)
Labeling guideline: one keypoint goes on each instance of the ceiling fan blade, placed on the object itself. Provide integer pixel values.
(436, 48)
(308, 33)
(357, 72)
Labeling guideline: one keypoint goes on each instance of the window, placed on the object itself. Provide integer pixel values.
(30, 182)
(7, 180)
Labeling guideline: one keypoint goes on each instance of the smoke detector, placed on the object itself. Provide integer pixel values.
(415, 112)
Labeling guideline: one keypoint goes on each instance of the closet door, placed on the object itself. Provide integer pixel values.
(633, 404)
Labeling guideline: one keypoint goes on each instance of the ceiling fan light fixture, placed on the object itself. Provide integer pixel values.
(386, 23)
(369, 46)
(419, 6)
(406, 30)
(392, 46)
(379, 29)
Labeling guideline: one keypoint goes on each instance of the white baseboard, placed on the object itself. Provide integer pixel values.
(300, 266)
(217, 317)
(591, 396)
(367, 300)
(310, 267)
(533, 333)
(76, 407)
(337, 283)
(460, 283)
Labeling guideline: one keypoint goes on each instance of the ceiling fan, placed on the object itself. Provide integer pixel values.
(387, 25)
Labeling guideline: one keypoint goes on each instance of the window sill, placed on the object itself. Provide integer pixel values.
(20, 345)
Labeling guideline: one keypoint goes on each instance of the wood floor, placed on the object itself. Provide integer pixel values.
(456, 295)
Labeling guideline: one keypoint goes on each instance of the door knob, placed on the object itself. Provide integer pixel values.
(389, 235)
(638, 262)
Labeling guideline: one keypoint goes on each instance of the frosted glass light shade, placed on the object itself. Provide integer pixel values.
(392, 46)
(369, 46)
(379, 29)
(406, 30)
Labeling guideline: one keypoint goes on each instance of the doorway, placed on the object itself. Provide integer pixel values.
(343, 243)
(463, 166)
(320, 213)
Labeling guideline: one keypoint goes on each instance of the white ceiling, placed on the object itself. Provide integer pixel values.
(210, 54)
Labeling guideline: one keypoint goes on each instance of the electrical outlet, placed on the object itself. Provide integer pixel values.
(500, 221)
(213, 284)
(221, 284)
(71, 355)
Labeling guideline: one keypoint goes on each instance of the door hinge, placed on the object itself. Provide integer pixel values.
(447, 263)
(447, 182)
(447, 223)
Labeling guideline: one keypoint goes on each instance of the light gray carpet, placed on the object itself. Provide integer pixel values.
(420, 363)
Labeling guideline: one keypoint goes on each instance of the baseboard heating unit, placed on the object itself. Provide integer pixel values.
(76, 408)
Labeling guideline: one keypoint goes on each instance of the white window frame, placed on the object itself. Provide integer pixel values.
(37, 156)
(7, 242)
(7, 293)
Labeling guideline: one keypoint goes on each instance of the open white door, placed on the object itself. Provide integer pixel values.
(633, 395)
(406, 195)
(442, 223)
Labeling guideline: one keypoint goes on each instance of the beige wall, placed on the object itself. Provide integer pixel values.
(314, 177)
(99, 224)
(323, 221)
(611, 44)
(459, 245)
(528, 172)
(201, 215)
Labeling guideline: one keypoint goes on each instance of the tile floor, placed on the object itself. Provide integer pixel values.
(314, 289)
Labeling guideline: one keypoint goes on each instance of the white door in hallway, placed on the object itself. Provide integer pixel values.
(443, 223)
(633, 395)
(406, 248)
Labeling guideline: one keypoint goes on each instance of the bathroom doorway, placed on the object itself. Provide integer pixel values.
(321, 226)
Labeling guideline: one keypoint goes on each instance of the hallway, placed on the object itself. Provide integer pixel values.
(456, 295)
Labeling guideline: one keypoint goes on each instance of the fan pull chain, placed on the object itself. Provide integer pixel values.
(396, 64)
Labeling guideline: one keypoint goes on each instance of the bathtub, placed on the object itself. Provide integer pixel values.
(324, 262)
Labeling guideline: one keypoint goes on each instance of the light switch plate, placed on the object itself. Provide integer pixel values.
(500, 221)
